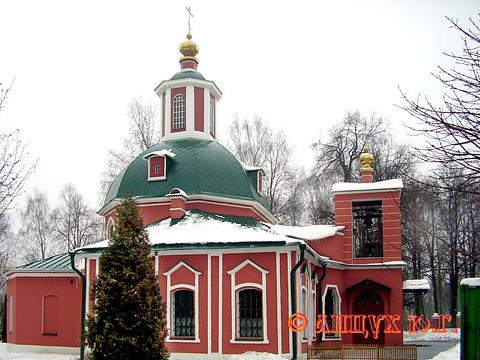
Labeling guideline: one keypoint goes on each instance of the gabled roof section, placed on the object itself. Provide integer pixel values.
(207, 229)
(54, 263)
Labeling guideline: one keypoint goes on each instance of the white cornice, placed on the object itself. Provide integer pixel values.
(189, 81)
(222, 201)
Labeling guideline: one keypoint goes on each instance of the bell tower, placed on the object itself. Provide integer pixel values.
(189, 101)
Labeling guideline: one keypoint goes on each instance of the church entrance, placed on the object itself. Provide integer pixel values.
(368, 298)
(367, 303)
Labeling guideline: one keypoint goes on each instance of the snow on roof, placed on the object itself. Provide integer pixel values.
(177, 192)
(472, 282)
(416, 285)
(394, 184)
(163, 152)
(310, 232)
(196, 228)
(253, 168)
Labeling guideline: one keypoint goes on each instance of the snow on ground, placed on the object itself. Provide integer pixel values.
(251, 355)
(431, 336)
(4, 355)
(451, 354)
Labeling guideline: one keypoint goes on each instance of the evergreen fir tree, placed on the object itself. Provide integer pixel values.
(129, 316)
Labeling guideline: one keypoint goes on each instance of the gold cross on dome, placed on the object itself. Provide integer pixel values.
(190, 15)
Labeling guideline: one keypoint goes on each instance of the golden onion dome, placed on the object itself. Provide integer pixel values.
(366, 159)
(189, 49)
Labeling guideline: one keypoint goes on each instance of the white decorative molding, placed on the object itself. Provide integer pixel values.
(289, 270)
(234, 299)
(168, 111)
(171, 289)
(157, 178)
(209, 303)
(220, 302)
(335, 287)
(87, 285)
(279, 304)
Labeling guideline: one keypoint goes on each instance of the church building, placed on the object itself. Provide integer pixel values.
(230, 275)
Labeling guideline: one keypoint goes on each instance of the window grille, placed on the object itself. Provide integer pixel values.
(183, 313)
(250, 320)
(367, 229)
(178, 112)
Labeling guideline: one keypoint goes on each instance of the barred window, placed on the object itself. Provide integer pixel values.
(250, 318)
(367, 229)
(178, 112)
(183, 314)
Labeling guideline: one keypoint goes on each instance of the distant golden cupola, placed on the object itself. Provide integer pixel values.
(366, 159)
(366, 168)
(189, 49)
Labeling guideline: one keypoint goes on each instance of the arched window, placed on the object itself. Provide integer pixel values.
(212, 116)
(183, 314)
(50, 315)
(110, 228)
(249, 314)
(304, 309)
(332, 308)
(178, 112)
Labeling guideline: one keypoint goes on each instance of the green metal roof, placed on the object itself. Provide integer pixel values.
(57, 262)
(199, 167)
(187, 74)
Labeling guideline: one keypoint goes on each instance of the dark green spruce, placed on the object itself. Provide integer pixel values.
(129, 319)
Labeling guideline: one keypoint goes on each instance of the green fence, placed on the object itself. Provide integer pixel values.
(470, 318)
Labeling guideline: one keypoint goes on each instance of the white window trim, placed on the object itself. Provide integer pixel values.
(156, 178)
(313, 314)
(335, 287)
(212, 114)
(171, 289)
(259, 180)
(110, 223)
(233, 295)
(305, 311)
(179, 110)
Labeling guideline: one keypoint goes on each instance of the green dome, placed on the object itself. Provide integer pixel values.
(199, 167)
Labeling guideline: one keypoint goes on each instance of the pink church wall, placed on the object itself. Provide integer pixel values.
(28, 327)
(199, 108)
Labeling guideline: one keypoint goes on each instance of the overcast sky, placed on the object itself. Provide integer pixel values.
(300, 65)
